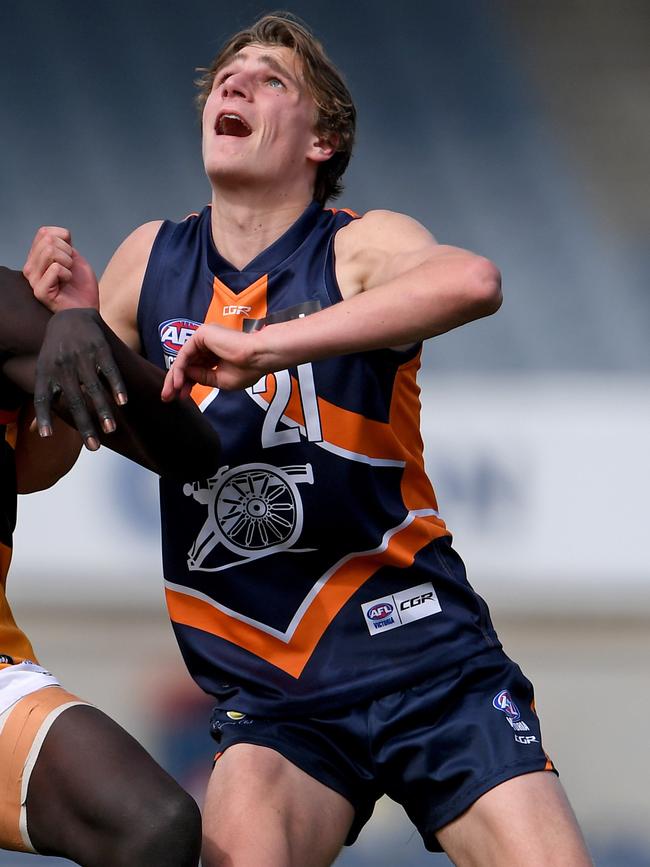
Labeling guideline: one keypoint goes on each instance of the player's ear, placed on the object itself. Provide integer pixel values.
(323, 147)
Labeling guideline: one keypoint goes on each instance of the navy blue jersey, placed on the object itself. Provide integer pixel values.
(313, 569)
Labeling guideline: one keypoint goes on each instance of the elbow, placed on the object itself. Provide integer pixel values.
(485, 282)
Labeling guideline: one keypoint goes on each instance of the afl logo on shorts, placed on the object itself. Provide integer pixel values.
(503, 702)
(174, 334)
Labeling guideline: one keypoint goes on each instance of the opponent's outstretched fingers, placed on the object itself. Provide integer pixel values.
(44, 392)
(108, 368)
(73, 398)
(87, 373)
(67, 387)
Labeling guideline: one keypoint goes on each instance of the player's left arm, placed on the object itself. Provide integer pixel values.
(398, 286)
(408, 286)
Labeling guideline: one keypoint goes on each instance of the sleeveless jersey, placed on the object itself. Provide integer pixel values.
(313, 570)
(14, 645)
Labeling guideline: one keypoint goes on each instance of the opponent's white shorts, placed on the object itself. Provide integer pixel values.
(24, 723)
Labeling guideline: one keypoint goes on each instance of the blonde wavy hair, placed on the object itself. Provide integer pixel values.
(335, 111)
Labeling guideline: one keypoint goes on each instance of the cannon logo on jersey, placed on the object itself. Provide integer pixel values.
(253, 510)
(174, 334)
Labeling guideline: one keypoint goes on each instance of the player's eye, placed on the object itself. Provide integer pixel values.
(274, 82)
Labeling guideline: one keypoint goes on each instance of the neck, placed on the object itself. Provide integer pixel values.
(245, 225)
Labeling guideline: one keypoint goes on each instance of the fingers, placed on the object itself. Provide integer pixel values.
(202, 375)
(87, 374)
(175, 383)
(49, 262)
(107, 367)
(43, 396)
(74, 399)
(45, 392)
(50, 244)
(48, 285)
(168, 391)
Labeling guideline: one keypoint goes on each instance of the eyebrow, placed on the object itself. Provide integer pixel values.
(268, 60)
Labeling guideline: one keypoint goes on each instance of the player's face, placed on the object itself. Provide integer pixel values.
(258, 121)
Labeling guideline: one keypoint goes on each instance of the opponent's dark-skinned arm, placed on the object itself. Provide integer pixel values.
(79, 355)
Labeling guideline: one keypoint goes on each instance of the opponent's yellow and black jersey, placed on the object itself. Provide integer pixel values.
(313, 569)
(14, 645)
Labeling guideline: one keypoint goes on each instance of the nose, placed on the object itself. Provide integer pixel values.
(236, 85)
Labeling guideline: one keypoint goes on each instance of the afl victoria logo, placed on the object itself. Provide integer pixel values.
(502, 701)
(380, 611)
(174, 334)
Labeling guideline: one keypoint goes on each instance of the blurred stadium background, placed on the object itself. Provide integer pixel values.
(518, 129)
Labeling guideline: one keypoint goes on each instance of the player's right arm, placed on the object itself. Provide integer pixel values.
(121, 283)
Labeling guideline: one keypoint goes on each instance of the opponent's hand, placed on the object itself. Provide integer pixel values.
(73, 356)
(214, 356)
(59, 275)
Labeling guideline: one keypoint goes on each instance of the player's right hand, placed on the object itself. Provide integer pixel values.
(59, 275)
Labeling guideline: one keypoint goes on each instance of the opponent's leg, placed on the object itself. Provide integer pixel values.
(96, 796)
(525, 821)
(262, 809)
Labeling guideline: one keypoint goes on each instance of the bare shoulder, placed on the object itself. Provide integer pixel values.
(378, 246)
(389, 227)
(131, 257)
(121, 282)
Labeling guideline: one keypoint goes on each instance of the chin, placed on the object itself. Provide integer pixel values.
(226, 174)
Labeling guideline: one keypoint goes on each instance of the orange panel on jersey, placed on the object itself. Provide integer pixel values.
(417, 490)
(229, 309)
(294, 655)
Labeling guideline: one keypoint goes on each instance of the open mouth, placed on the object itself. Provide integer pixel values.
(230, 123)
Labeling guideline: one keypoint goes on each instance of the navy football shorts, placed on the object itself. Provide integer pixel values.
(434, 748)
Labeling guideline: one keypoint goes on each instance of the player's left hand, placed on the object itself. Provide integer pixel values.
(73, 358)
(214, 356)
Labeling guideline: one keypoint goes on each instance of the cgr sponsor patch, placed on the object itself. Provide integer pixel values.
(397, 609)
